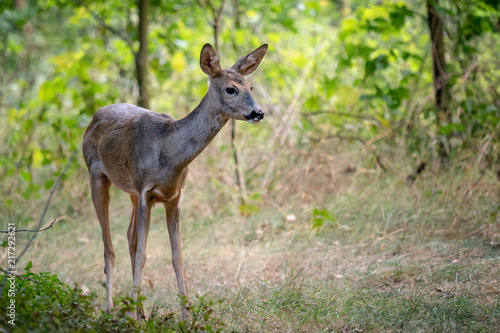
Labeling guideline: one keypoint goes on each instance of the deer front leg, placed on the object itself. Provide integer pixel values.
(99, 185)
(132, 241)
(173, 215)
(143, 219)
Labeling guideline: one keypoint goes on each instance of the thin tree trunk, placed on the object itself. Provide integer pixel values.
(141, 57)
(240, 180)
(237, 13)
(441, 86)
(238, 171)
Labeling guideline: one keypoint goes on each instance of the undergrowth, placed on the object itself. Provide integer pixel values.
(370, 252)
(45, 304)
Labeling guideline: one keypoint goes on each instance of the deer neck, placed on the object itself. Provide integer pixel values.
(193, 133)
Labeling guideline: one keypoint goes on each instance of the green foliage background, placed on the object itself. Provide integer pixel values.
(365, 65)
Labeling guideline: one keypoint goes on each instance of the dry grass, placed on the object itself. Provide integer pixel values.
(388, 256)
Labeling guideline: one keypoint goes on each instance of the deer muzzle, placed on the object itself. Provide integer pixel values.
(254, 116)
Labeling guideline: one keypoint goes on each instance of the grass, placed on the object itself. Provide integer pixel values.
(317, 249)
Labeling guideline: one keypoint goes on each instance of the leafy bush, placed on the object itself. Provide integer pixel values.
(43, 303)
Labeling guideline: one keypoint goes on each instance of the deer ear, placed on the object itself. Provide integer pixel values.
(251, 61)
(209, 61)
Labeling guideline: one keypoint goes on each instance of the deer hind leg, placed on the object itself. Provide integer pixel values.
(132, 232)
(142, 227)
(173, 216)
(99, 185)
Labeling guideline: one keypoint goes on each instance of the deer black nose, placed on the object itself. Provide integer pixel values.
(255, 115)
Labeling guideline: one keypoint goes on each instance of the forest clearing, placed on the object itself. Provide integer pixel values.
(367, 199)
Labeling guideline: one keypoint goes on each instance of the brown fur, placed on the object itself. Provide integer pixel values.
(147, 154)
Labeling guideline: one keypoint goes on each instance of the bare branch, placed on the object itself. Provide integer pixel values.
(36, 230)
(217, 18)
(376, 155)
(220, 11)
(47, 204)
(17, 276)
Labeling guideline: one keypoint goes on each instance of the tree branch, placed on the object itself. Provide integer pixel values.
(47, 204)
(17, 276)
(377, 156)
(36, 230)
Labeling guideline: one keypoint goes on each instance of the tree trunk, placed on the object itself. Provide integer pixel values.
(441, 87)
(141, 57)
(217, 16)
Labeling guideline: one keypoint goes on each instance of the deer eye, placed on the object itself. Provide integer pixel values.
(231, 91)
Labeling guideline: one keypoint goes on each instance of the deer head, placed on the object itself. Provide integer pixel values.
(228, 88)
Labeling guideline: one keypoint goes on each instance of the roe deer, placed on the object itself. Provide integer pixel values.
(147, 154)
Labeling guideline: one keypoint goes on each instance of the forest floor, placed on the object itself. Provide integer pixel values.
(377, 254)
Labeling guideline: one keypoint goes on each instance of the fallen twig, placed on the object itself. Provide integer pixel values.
(37, 230)
(47, 204)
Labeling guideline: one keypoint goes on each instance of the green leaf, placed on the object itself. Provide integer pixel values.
(317, 223)
(26, 175)
(450, 128)
(370, 68)
(288, 23)
(47, 92)
(399, 93)
(321, 217)
(256, 196)
(28, 125)
(29, 265)
(432, 192)
(349, 27)
(381, 62)
(49, 184)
